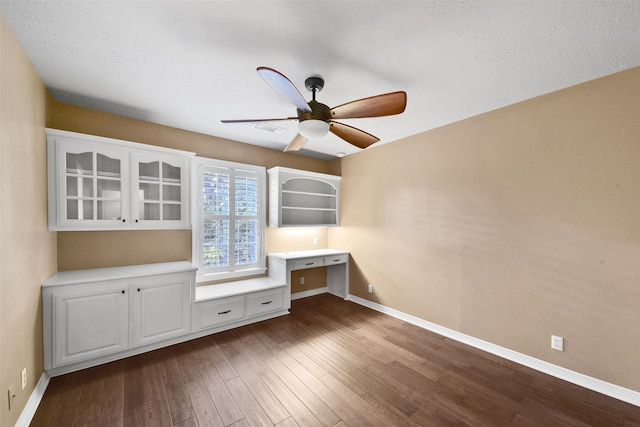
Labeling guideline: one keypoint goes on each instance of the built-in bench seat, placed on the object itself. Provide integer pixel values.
(228, 305)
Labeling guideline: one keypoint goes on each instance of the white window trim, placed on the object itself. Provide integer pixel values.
(197, 225)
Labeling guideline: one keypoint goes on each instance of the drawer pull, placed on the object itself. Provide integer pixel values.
(225, 312)
(268, 302)
(310, 263)
(336, 260)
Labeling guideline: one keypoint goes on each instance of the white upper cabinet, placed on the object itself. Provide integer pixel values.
(161, 191)
(303, 199)
(98, 183)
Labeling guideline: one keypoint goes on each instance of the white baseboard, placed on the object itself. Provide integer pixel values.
(30, 408)
(309, 293)
(612, 390)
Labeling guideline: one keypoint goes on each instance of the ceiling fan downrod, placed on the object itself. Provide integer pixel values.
(314, 84)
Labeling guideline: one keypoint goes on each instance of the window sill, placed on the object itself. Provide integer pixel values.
(226, 276)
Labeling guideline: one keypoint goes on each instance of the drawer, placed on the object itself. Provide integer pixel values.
(303, 263)
(265, 301)
(336, 259)
(207, 314)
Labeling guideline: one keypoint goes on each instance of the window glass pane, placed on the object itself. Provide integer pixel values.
(79, 209)
(109, 210)
(109, 188)
(171, 192)
(79, 187)
(150, 211)
(215, 191)
(108, 166)
(215, 243)
(72, 209)
(149, 171)
(81, 164)
(170, 173)
(246, 196)
(246, 241)
(171, 212)
(149, 191)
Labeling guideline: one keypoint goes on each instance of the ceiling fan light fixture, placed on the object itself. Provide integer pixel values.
(313, 128)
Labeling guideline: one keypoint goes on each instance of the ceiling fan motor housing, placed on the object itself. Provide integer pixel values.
(318, 112)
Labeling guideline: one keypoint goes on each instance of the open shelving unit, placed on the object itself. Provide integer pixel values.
(303, 199)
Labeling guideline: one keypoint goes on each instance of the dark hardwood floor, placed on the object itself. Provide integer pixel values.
(329, 363)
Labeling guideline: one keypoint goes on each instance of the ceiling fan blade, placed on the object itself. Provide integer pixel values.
(297, 143)
(386, 104)
(353, 136)
(258, 120)
(284, 87)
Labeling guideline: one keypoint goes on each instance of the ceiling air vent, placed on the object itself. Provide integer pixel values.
(268, 128)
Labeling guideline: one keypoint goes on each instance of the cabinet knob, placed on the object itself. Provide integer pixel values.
(138, 289)
(123, 291)
(124, 220)
(136, 220)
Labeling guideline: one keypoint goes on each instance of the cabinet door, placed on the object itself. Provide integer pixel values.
(161, 308)
(92, 185)
(160, 191)
(90, 321)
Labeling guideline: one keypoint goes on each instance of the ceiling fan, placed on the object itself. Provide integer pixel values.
(316, 119)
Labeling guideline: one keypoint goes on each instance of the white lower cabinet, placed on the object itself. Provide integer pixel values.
(93, 316)
(89, 321)
(160, 308)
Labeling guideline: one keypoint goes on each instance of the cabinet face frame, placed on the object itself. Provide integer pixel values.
(130, 153)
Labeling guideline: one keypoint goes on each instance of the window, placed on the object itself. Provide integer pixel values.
(228, 219)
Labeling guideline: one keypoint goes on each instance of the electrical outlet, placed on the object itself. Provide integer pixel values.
(370, 288)
(557, 343)
(11, 395)
(315, 240)
(23, 376)
(302, 280)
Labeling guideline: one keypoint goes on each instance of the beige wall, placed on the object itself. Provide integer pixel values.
(78, 250)
(512, 226)
(28, 254)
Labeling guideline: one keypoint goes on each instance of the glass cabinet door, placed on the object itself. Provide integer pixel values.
(93, 186)
(160, 190)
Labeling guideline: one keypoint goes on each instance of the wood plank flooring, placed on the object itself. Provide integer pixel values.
(328, 363)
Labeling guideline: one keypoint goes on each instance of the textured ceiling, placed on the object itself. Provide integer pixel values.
(190, 64)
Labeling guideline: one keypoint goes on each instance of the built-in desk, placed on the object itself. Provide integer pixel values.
(281, 264)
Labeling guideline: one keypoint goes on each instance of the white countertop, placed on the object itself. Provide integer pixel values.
(307, 254)
(116, 273)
